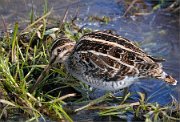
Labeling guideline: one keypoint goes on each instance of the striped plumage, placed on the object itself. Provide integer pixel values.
(107, 61)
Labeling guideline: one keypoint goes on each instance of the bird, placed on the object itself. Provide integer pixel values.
(106, 60)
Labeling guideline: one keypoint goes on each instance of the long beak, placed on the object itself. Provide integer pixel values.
(44, 73)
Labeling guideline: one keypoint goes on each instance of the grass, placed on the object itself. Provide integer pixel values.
(20, 64)
(24, 55)
(144, 110)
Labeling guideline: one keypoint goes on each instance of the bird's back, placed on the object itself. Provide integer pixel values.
(109, 61)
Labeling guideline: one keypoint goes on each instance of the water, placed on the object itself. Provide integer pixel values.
(157, 34)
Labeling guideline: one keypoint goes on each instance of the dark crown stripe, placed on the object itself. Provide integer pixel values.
(60, 42)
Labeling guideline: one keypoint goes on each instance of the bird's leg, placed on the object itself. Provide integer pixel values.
(94, 102)
(124, 95)
(85, 91)
(114, 95)
(88, 92)
(125, 91)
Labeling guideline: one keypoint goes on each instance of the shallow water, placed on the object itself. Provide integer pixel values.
(157, 34)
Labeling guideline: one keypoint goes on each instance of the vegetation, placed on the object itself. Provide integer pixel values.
(23, 56)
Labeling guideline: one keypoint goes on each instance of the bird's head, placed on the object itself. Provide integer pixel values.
(61, 49)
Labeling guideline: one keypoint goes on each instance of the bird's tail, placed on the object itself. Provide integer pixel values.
(168, 79)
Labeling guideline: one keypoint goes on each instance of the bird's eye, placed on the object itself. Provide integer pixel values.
(58, 50)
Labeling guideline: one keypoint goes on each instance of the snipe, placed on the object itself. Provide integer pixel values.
(106, 61)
